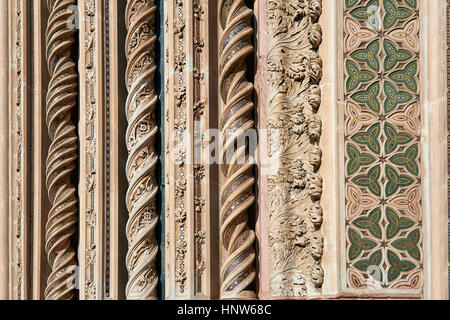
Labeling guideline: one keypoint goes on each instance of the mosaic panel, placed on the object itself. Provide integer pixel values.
(383, 221)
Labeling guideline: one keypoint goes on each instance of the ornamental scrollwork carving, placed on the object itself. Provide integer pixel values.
(294, 70)
(142, 158)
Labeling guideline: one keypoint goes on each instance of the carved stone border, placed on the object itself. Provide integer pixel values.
(4, 145)
(448, 121)
(102, 133)
(91, 110)
(19, 152)
(188, 115)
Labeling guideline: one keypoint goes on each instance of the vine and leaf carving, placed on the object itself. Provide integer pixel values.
(295, 215)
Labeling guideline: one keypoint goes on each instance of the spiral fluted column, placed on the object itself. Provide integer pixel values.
(237, 196)
(142, 157)
(61, 160)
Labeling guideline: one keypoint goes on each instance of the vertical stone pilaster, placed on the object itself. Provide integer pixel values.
(436, 172)
(191, 243)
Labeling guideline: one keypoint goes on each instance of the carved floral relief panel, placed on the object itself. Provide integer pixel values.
(383, 216)
(294, 72)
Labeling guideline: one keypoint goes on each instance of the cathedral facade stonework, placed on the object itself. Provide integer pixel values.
(229, 149)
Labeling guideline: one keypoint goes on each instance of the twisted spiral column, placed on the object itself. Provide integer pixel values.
(237, 196)
(142, 157)
(61, 99)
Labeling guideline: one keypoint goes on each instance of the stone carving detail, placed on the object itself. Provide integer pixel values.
(200, 112)
(19, 150)
(90, 45)
(382, 145)
(448, 124)
(177, 117)
(61, 161)
(143, 158)
(295, 215)
(237, 196)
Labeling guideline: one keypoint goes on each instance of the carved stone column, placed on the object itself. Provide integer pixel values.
(63, 151)
(236, 117)
(143, 158)
(294, 72)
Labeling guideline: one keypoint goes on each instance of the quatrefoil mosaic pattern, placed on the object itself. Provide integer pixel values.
(382, 141)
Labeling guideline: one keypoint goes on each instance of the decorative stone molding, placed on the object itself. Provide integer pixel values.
(177, 205)
(142, 160)
(294, 70)
(4, 145)
(90, 213)
(39, 142)
(27, 73)
(102, 185)
(190, 109)
(17, 116)
(447, 18)
(63, 151)
(200, 115)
